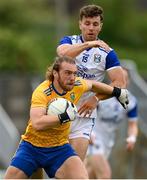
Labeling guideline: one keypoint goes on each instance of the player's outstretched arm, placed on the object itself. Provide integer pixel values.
(73, 50)
(122, 96)
(102, 88)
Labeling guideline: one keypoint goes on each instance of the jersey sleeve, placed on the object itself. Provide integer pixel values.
(39, 99)
(132, 112)
(83, 84)
(65, 40)
(112, 60)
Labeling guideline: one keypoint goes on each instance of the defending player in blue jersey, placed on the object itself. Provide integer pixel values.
(94, 58)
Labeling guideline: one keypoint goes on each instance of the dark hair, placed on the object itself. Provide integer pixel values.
(56, 66)
(91, 11)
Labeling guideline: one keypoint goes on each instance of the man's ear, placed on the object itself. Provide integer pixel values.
(101, 25)
(55, 73)
(79, 24)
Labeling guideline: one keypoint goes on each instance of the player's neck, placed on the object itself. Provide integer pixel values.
(58, 89)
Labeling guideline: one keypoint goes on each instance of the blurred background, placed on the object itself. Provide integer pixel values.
(29, 33)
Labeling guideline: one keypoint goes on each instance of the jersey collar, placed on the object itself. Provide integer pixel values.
(60, 94)
(82, 40)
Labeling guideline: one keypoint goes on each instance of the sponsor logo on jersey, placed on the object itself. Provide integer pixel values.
(82, 72)
(82, 68)
(97, 58)
(85, 75)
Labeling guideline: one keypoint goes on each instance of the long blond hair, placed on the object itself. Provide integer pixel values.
(56, 66)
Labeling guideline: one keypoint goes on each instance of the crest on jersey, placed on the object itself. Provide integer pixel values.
(72, 96)
(97, 58)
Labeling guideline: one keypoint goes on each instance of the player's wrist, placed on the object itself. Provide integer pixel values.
(116, 92)
(86, 44)
(131, 138)
(63, 118)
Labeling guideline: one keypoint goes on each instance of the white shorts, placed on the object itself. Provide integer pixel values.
(81, 127)
(102, 145)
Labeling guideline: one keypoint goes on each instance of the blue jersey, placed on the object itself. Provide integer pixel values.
(92, 63)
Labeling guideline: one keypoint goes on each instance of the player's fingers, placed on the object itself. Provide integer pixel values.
(81, 109)
(104, 45)
(130, 146)
(86, 109)
(86, 113)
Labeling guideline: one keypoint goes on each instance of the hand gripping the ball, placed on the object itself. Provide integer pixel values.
(69, 114)
(122, 96)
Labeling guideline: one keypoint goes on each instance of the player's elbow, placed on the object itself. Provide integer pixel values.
(61, 52)
(37, 126)
(123, 84)
(120, 83)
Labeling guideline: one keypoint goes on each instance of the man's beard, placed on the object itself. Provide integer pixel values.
(64, 87)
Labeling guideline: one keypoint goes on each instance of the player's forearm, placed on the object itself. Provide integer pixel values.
(132, 134)
(133, 129)
(72, 50)
(102, 89)
(102, 96)
(119, 83)
(45, 122)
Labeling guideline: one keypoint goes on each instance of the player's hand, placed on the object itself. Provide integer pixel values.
(69, 114)
(88, 106)
(122, 96)
(131, 140)
(99, 43)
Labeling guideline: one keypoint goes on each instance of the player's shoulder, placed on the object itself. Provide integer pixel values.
(79, 81)
(43, 87)
(71, 39)
(105, 52)
(74, 36)
(81, 85)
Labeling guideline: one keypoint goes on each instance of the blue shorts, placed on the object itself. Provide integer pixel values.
(29, 158)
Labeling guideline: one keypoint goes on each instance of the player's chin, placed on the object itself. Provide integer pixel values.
(69, 87)
(91, 37)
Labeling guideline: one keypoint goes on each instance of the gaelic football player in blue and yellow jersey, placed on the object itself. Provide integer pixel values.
(45, 142)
